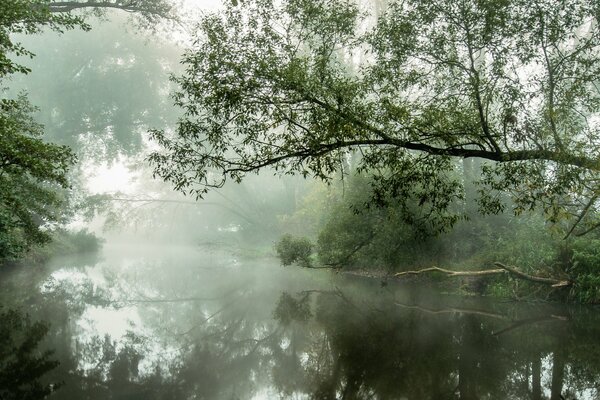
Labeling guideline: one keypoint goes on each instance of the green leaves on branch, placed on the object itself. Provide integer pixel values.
(291, 250)
(28, 17)
(32, 174)
(306, 87)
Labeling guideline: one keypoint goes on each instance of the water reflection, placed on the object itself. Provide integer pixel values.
(194, 325)
(22, 364)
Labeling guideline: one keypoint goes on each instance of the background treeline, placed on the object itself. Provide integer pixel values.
(340, 226)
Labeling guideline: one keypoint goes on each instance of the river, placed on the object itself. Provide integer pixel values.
(159, 322)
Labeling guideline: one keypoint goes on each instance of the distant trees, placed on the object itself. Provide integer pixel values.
(27, 17)
(509, 82)
(34, 173)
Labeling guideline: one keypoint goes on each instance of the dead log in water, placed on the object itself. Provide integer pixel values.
(504, 269)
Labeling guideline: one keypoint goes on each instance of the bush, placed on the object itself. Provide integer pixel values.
(585, 270)
(63, 242)
(291, 250)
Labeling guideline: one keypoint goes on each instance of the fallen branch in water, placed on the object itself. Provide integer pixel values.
(451, 273)
(548, 281)
(557, 283)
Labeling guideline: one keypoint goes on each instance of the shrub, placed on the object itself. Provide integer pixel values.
(63, 242)
(585, 270)
(292, 250)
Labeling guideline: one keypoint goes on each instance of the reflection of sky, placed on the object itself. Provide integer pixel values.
(115, 323)
(107, 295)
(112, 322)
(105, 321)
(229, 290)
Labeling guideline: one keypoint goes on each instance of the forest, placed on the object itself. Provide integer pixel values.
(362, 156)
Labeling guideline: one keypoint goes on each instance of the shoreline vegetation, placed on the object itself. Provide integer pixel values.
(571, 282)
(62, 243)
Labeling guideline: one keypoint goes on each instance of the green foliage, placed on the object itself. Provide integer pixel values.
(63, 242)
(587, 288)
(292, 250)
(28, 17)
(393, 236)
(298, 86)
(524, 241)
(584, 269)
(31, 174)
(311, 211)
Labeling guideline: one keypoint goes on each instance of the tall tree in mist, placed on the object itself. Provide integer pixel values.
(31, 170)
(108, 87)
(511, 82)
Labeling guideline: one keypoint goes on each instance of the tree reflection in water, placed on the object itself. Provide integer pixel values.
(22, 364)
(225, 335)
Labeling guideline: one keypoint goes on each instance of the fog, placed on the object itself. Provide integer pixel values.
(299, 200)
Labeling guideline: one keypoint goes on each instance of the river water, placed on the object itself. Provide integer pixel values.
(213, 323)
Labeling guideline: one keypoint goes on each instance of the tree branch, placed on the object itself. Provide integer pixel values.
(511, 156)
(538, 279)
(581, 215)
(557, 283)
(132, 7)
(450, 273)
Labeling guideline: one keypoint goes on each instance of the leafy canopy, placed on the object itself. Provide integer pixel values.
(27, 17)
(302, 86)
(32, 172)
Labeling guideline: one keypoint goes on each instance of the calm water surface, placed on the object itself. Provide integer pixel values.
(208, 323)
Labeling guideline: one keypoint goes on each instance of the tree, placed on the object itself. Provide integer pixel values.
(110, 89)
(31, 174)
(31, 170)
(510, 82)
(160, 8)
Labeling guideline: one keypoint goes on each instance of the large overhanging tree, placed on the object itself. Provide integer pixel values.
(299, 85)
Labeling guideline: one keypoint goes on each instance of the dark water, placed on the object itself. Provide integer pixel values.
(175, 323)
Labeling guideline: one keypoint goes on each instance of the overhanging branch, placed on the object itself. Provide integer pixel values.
(131, 7)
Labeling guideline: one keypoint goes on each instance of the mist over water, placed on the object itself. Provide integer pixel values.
(199, 322)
